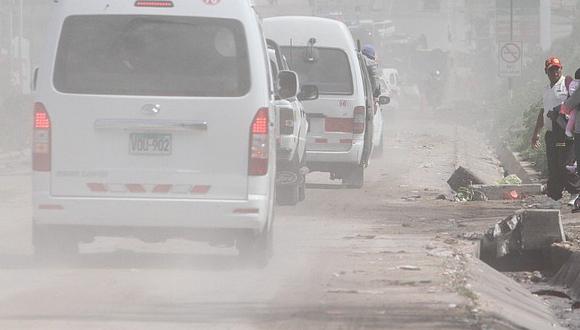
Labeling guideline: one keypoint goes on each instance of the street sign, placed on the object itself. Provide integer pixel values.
(510, 55)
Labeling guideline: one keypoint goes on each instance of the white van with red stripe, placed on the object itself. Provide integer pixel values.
(323, 53)
(154, 119)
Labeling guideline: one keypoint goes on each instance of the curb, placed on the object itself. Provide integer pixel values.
(506, 191)
(511, 163)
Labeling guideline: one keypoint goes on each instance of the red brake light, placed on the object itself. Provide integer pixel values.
(154, 4)
(41, 139)
(41, 120)
(260, 124)
(259, 144)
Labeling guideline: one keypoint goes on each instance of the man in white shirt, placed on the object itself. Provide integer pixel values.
(559, 150)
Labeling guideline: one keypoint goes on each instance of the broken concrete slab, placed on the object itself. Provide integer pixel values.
(541, 228)
(511, 163)
(510, 302)
(525, 230)
(508, 191)
(569, 276)
(463, 177)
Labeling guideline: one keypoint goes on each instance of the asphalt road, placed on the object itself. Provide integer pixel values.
(379, 257)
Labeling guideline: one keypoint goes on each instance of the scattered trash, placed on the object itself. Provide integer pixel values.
(468, 194)
(451, 241)
(360, 236)
(511, 195)
(537, 277)
(411, 198)
(408, 267)
(510, 179)
(552, 293)
(440, 252)
(347, 291)
(471, 236)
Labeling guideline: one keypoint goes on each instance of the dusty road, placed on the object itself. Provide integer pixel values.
(385, 256)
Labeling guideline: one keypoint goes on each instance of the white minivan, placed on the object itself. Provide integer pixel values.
(323, 53)
(154, 119)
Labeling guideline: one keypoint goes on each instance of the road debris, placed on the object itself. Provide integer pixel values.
(409, 267)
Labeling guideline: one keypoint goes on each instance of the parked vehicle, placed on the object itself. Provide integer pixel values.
(373, 137)
(293, 127)
(155, 119)
(323, 53)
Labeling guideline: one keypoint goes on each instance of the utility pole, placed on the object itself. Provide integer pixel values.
(510, 79)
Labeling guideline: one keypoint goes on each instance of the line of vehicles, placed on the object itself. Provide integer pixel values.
(154, 123)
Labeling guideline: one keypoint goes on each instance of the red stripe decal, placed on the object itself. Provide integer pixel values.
(97, 187)
(200, 190)
(321, 141)
(346, 141)
(162, 188)
(135, 188)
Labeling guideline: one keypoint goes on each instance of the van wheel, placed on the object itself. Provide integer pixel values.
(288, 183)
(53, 245)
(255, 250)
(356, 177)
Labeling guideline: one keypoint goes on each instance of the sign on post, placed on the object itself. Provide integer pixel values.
(510, 55)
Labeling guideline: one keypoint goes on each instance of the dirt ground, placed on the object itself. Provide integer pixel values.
(387, 256)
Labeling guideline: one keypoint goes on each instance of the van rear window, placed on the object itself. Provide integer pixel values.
(327, 68)
(152, 55)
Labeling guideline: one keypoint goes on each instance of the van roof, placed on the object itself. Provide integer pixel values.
(203, 8)
(328, 32)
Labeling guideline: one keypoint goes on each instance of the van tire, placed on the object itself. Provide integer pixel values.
(255, 250)
(288, 185)
(355, 178)
(53, 245)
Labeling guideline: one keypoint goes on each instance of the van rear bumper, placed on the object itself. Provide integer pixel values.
(352, 156)
(249, 214)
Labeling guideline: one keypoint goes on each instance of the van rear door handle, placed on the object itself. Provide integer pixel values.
(150, 125)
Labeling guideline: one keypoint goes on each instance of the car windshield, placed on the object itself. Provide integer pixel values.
(329, 69)
(150, 55)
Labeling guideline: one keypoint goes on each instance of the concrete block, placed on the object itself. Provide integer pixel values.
(462, 177)
(511, 163)
(540, 228)
(504, 191)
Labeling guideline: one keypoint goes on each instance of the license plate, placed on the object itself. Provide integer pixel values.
(150, 144)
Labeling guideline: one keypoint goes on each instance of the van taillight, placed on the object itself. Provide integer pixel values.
(154, 4)
(358, 122)
(259, 144)
(41, 139)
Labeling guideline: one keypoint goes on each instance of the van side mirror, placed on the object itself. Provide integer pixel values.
(308, 93)
(384, 100)
(287, 84)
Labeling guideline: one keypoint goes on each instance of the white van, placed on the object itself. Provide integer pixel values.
(323, 53)
(154, 119)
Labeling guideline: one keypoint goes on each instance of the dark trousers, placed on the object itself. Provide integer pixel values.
(577, 151)
(560, 152)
